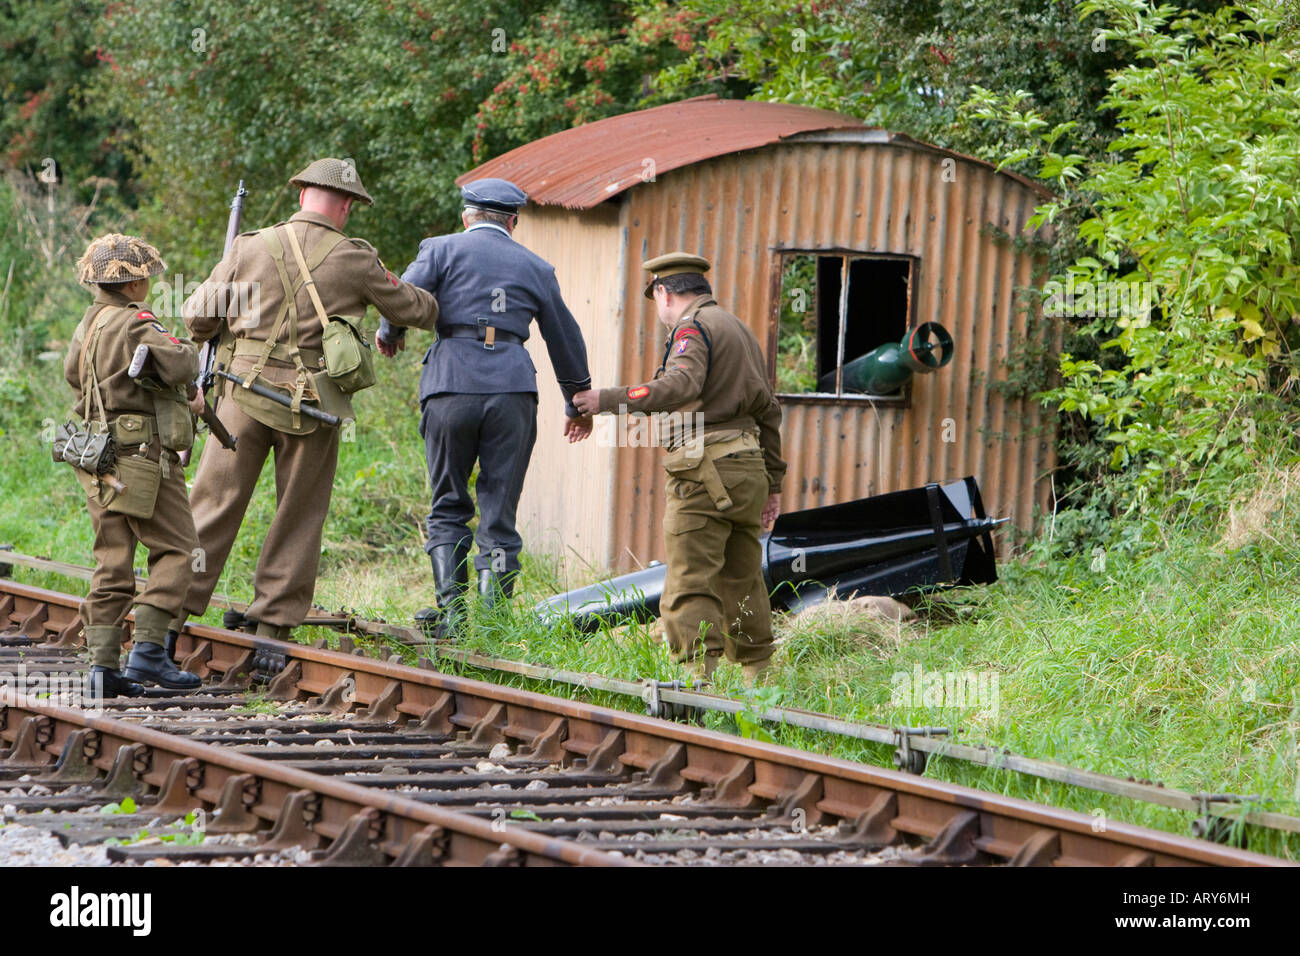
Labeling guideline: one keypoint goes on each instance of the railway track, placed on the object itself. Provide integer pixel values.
(341, 758)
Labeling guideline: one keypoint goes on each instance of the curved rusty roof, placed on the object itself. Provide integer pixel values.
(582, 167)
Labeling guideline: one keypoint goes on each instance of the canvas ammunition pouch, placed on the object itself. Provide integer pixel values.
(93, 448)
(692, 462)
(173, 422)
(348, 359)
(141, 477)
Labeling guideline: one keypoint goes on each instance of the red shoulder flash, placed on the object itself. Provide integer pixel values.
(391, 278)
(684, 332)
(144, 315)
(638, 391)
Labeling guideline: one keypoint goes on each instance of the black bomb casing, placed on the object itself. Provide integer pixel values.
(936, 536)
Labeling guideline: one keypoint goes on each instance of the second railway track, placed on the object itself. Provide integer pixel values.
(357, 760)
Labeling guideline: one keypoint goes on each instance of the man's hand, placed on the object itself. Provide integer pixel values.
(388, 349)
(588, 402)
(576, 429)
(197, 401)
(771, 509)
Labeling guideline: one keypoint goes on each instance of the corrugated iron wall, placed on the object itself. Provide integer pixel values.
(739, 210)
(568, 501)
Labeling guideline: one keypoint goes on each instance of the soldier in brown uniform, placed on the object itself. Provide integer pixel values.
(724, 469)
(149, 429)
(276, 340)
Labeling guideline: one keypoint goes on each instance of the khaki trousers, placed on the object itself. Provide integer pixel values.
(169, 538)
(714, 599)
(285, 578)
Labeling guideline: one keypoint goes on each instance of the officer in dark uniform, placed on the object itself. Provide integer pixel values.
(478, 390)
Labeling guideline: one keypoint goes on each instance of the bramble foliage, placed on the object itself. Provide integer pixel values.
(1197, 198)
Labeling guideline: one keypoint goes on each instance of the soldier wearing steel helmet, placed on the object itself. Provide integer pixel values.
(724, 468)
(273, 337)
(149, 505)
(478, 390)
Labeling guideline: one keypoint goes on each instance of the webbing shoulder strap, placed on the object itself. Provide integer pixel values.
(87, 371)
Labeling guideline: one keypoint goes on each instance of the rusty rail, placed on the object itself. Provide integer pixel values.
(679, 776)
(1213, 810)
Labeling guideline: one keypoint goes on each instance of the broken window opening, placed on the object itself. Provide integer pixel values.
(826, 323)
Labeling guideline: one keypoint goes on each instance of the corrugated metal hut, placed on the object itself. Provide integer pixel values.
(788, 203)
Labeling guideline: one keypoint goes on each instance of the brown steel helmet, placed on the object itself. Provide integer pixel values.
(118, 258)
(335, 174)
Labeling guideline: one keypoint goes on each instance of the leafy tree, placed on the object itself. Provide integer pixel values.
(47, 51)
(415, 93)
(1194, 203)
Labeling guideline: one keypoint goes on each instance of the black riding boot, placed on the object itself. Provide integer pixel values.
(450, 581)
(169, 645)
(103, 683)
(149, 664)
(494, 587)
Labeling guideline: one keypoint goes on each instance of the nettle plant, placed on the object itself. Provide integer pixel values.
(1190, 283)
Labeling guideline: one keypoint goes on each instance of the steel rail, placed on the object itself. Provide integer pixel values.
(655, 694)
(742, 772)
(185, 773)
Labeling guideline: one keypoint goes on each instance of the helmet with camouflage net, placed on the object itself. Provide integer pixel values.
(117, 258)
(335, 174)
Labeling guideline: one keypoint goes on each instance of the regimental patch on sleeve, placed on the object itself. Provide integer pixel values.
(144, 315)
(681, 345)
(682, 333)
(161, 331)
(638, 391)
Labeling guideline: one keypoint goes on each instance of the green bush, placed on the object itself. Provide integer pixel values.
(1190, 284)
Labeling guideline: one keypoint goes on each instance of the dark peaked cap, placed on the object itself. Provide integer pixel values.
(497, 195)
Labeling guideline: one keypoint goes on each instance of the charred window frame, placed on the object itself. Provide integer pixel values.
(821, 322)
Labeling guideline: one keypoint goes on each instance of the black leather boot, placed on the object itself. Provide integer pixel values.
(104, 682)
(169, 645)
(450, 564)
(149, 664)
(494, 587)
